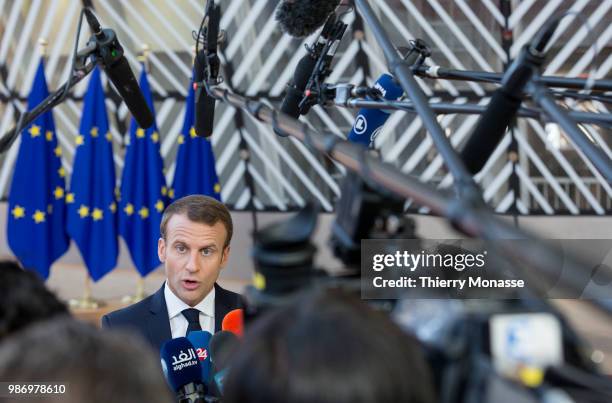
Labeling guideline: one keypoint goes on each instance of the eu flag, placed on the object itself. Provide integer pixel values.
(195, 162)
(35, 228)
(143, 191)
(91, 202)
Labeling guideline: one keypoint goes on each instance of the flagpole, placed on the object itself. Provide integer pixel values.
(86, 301)
(140, 282)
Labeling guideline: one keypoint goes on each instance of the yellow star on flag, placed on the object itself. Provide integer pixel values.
(18, 212)
(171, 193)
(49, 135)
(49, 208)
(143, 212)
(83, 211)
(97, 214)
(129, 209)
(79, 140)
(61, 172)
(38, 216)
(164, 190)
(113, 207)
(34, 131)
(159, 206)
(181, 139)
(58, 193)
(70, 198)
(192, 132)
(94, 131)
(140, 133)
(109, 136)
(58, 151)
(217, 188)
(155, 137)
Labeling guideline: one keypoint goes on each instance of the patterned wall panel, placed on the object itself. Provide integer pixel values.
(534, 170)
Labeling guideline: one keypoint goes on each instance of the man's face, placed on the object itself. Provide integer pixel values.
(193, 257)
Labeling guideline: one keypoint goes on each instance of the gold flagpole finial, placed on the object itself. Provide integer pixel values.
(42, 42)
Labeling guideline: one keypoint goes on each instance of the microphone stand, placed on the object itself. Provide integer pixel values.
(53, 99)
(465, 186)
(602, 119)
(544, 98)
(472, 220)
(487, 77)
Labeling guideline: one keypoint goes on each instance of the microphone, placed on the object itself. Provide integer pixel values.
(182, 370)
(223, 345)
(369, 122)
(314, 66)
(110, 57)
(201, 341)
(505, 101)
(206, 69)
(234, 322)
(300, 18)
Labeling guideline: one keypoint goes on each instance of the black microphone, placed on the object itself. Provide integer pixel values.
(300, 18)
(206, 67)
(505, 101)
(110, 57)
(293, 100)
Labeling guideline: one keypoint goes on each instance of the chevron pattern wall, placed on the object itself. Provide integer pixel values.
(535, 169)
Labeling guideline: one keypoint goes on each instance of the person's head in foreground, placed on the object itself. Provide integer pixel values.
(328, 346)
(96, 366)
(24, 299)
(194, 245)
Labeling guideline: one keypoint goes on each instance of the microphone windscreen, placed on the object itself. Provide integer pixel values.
(122, 77)
(234, 322)
(300, 18)
(201, 342)
(222, 346)
(180, 363)
(489, 130)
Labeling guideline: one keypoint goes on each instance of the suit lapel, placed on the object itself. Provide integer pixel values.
(158, 323)
(221, 307)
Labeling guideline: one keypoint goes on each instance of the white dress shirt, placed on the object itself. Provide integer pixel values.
(178, 322)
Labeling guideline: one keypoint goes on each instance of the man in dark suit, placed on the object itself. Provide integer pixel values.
(194, 246)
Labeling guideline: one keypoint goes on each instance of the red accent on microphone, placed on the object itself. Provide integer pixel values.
(234, 322)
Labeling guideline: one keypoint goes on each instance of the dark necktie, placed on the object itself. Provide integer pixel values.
(193, 317)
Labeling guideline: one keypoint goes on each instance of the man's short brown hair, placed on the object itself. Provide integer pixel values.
(200, 209)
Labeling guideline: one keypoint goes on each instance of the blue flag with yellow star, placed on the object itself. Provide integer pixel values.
(195, 162)
(35, 227)
(92, 221)
(143, 191)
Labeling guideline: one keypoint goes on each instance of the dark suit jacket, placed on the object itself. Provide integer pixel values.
(149, 317)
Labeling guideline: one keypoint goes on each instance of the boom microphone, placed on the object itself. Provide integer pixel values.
(321, 52)
(182, 369)
(505, 102)
(300, 18)
(206, 69)
(110, 57)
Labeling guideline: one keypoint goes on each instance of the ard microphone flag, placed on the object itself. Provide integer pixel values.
(35, 225)
(92, 221)
(195, 171)
(143, 191)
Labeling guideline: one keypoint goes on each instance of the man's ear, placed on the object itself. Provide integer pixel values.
(225, 256)
(161, 250)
